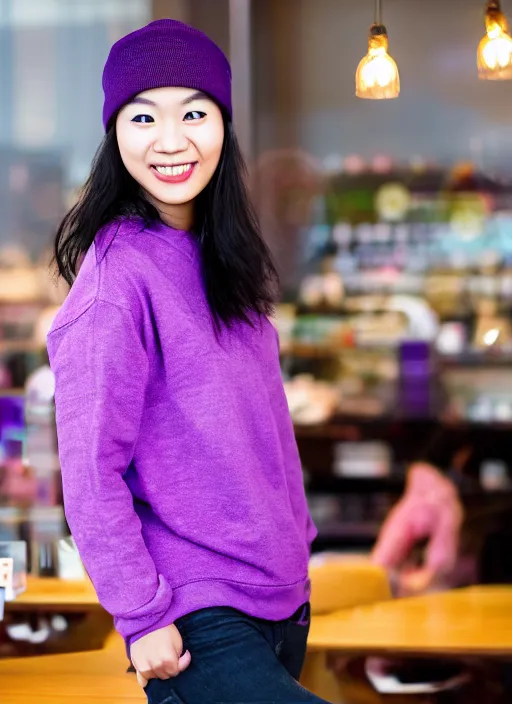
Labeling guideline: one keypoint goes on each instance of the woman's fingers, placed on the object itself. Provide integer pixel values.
(142, 681)
(167, 669)
(157, 655)
(184, 661)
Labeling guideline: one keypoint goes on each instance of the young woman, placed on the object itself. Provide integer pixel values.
(182, 481)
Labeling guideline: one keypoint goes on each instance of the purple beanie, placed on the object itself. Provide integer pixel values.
(164, 53)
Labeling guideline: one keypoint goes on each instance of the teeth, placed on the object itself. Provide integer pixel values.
(173, 170)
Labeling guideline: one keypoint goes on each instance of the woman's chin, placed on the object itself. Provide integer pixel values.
(165, 197)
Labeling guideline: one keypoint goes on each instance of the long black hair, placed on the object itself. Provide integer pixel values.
(238, 270)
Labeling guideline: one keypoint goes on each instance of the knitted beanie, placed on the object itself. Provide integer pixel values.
(164, 53)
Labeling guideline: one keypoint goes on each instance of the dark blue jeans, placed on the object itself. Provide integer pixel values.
(237, 659)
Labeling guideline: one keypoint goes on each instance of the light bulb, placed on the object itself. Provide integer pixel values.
(377, 74)
(494, 54)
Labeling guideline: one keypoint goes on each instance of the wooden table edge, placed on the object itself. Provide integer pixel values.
(397, 651)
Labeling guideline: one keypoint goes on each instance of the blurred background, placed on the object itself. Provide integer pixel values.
(390, 220)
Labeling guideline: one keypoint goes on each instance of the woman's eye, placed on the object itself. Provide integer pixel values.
(194, 115)
(145, 119)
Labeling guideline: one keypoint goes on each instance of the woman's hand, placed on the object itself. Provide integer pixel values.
(159, 655)
(430, 510)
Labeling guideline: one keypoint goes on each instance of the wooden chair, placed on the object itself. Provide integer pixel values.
(341, 583)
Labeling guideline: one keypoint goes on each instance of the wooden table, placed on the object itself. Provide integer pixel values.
(476, 621)
(88, 622)
(54, 594)
(97, 677)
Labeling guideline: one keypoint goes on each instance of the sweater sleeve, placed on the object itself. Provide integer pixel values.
(101, 372)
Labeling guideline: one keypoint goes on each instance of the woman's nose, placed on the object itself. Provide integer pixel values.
(170, 139)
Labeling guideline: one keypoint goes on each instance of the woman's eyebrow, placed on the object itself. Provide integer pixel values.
(142, 101)
(198, 95)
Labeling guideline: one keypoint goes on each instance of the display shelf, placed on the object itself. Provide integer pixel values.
(476, 359)
(335, 484)
(466, 424)
(335, 530)
(310, 350)
(336, 429)
(329, 484)
(304, 350)
(13, 346)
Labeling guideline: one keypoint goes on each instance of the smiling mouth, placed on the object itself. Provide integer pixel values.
(177, 170)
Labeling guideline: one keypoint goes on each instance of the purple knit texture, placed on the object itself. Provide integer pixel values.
(164, 53)
(181, 476)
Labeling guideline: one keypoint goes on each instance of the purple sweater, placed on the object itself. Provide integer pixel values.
(182, 481)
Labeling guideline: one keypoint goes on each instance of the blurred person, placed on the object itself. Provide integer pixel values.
(181, 475)
(429, 510)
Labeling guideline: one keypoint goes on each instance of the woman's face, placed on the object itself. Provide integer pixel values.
(170, 140)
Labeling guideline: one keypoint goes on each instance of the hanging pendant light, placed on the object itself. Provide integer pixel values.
(377, 74)
(494, 54)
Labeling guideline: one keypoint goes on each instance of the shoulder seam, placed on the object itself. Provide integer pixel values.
(112, 236)
(116, 305)
(70, 322)
(111, 303)
(96, 299)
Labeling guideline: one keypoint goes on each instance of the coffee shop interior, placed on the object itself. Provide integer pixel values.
(384, 189)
